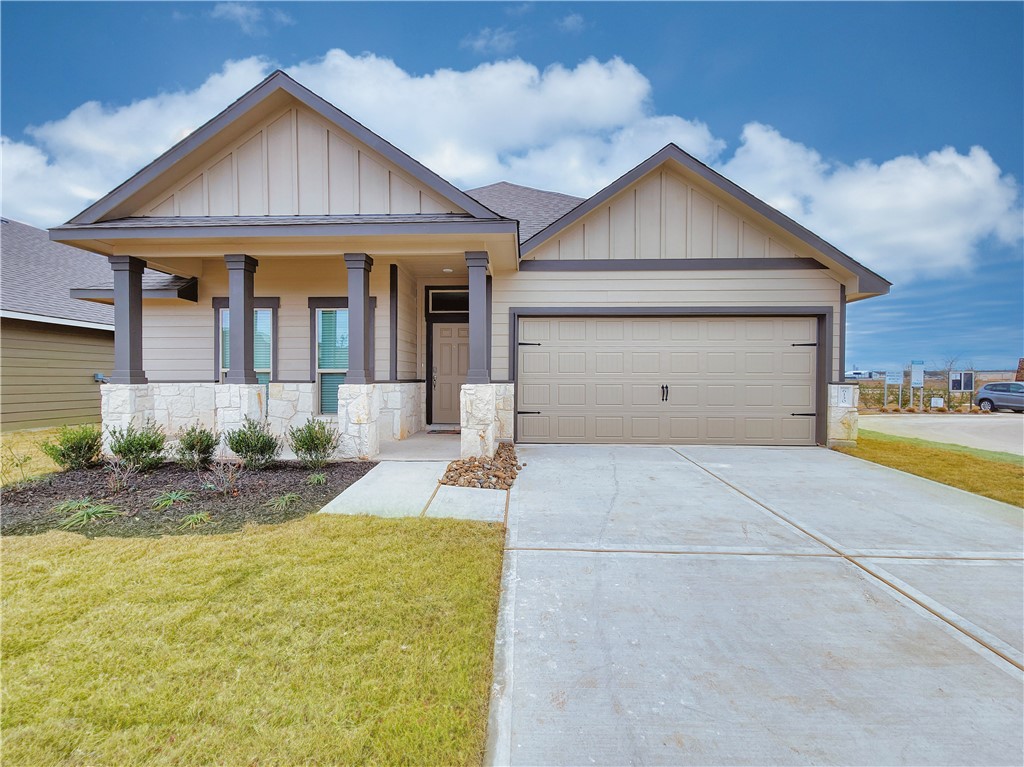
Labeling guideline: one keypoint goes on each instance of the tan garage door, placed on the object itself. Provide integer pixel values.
(729, 380)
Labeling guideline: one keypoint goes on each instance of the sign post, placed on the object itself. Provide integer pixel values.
(917, 380)
(892, 378)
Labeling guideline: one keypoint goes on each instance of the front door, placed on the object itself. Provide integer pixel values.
(451, 362)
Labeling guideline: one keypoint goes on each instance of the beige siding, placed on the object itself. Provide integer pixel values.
(409, 311)
(46, 374)
(775, 288)
(294, 163)
(178, 336)
(664, 215)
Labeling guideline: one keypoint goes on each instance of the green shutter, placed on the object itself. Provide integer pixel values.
(329, 383)
(332, 332)
(262, 338)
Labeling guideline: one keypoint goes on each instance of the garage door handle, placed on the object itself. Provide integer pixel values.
(812, 344)
(527, 412)
(528, 343)
(664, 393)
(809, 415)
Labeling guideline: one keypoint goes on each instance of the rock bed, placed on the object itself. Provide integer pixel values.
(497, 473)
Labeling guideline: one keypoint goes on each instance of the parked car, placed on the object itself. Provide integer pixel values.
(1001, 395)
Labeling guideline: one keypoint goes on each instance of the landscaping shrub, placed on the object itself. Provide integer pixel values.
(75, 447)
(314, 442)
(139, 446)
(196, 446)
(254, 444)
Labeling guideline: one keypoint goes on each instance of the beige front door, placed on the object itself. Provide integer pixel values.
(451, 362)
(696, 380)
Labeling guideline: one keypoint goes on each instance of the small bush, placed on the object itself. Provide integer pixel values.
(314, 443)
(119, 474)
(254, 444)
(76, 447)
(222, 478)
(196, 446)
(141, 447)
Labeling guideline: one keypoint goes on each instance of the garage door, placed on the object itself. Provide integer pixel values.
(728, 380)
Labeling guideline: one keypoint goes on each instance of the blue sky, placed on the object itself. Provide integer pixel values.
(892, 130)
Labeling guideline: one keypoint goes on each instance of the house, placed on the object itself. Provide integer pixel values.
(51, 346)
(313, 269)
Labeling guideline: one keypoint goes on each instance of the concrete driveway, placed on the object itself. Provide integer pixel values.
(720, 605)
(1003, 432)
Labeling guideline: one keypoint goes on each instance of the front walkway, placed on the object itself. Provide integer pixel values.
(729, 605)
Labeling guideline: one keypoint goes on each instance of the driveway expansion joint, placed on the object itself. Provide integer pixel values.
(926, 604)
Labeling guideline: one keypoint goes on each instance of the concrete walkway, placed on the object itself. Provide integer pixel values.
(1003, 432)
(411, 489)
(730, 605)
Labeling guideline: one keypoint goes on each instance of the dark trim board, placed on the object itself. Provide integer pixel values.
(187, 291)
(393, 321)
(842, 332)
(823, 361)
(669, 264)
(457, 318)
(265, 302)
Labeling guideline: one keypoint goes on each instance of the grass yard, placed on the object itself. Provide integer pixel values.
(20, 456)
(995, 475)
(325, 640)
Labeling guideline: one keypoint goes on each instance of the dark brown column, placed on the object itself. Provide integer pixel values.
(358, 266)
(127, 320)
(241, 272)
(479, 372)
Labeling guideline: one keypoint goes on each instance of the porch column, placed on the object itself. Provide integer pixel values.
(127, 320)
(241, 270)
(358, 266)
(478, 372)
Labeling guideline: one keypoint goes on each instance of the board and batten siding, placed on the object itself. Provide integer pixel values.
(294, 163)
(178, 336)
(772, 288)
(46, 373)
(663, 215)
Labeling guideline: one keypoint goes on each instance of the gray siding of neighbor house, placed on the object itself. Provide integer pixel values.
(46, 373)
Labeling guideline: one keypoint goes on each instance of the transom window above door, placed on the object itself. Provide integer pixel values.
(442, 301)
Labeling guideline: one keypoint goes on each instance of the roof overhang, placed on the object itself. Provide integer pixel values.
(55, 320)
(169, 286)
(861, 281)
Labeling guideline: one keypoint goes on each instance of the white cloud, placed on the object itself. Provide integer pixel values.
(573, 23)
(250, 18)
(907, 217)
(487, 40)
(569, 129)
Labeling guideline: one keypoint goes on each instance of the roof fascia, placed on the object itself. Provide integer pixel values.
(868, 281)
(55, 320)
(278, 81)
(68, 233)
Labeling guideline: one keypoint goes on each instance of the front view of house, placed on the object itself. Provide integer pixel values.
(284, 261)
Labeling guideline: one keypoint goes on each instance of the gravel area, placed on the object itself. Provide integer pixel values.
(28, 506)
(497, 473)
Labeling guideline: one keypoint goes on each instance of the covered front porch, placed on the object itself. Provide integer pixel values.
(381, 345)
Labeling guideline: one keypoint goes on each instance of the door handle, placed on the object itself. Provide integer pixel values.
(664, 393)
(433, 379)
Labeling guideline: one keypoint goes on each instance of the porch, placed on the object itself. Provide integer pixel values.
(404, 343)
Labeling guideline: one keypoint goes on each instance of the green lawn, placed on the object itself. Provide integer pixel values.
(995, 475)
(327, 640)
(20, 456)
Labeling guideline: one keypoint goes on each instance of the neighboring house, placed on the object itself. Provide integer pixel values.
(51, 345)
(318, 270)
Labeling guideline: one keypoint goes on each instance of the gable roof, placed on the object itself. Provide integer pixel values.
(113, 205)
(869, 282)
(37, 274)
(534, 209)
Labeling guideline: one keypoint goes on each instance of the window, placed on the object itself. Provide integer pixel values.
(263, 343)
(448, 301)
(331, 355)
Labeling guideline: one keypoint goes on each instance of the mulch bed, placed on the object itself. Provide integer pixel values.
(27, 508)
(497, 473)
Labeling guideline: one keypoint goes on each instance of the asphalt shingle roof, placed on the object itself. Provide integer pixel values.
(534, 209)
(37, 274)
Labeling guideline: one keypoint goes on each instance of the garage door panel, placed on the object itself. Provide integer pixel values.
(729, 380)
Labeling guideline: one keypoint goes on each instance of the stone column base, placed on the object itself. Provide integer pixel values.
(401, 410)
(487, 413)
(842, 415)
(359, 408)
